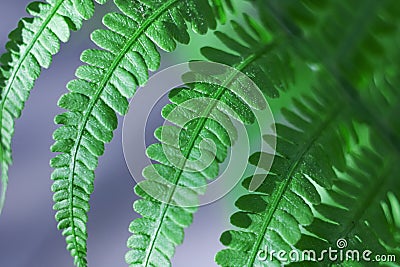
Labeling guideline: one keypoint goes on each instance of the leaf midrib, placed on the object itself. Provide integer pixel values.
(9, 87)
(288, 177)
(96, 97)
(203, 118)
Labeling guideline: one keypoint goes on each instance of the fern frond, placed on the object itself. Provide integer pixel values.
(109, 77)
(184, 166)
(351, 48)
(359, 213)
(391, 211)
(354, 38)
(382, 97)
(262, 214)
(270, 80)
(307, 151)
(31, 48)
(290, 211)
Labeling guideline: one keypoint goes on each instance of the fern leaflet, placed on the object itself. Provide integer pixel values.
(356, 214)
(31, 47)
(261, 213)
(160, 229)
(272, 215)
(352, 45)
(111, 75)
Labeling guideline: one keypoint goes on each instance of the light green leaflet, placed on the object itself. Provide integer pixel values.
(30, 48)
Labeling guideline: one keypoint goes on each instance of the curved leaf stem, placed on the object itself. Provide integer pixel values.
(7, 89)
(280, 191)
(154, 16)
(203, 118)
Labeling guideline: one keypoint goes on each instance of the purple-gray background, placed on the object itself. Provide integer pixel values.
(28, 233)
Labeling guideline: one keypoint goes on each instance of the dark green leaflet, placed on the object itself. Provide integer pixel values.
(357, 214)
(254, 204)
(272, 215)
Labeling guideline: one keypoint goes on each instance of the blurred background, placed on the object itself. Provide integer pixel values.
(28, 231)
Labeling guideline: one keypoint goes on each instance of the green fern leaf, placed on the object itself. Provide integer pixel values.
(269, 80)
(290, 211)
(356, 49)
(351, 44)
(161, 228)
(359, 213)
(262, 214)
(382, 98)
(109, 77)
(30, 48)
(272, 216)
(177, 181)
(391, 211)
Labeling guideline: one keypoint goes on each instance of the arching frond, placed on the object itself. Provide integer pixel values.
(311, 200)
(110, 76)
(350, 48)
(391, 210)
(173, 185)
(352, 39)
(382, 98)
(357, 211)
(307, 150)
(272, 72)
(31, 48)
